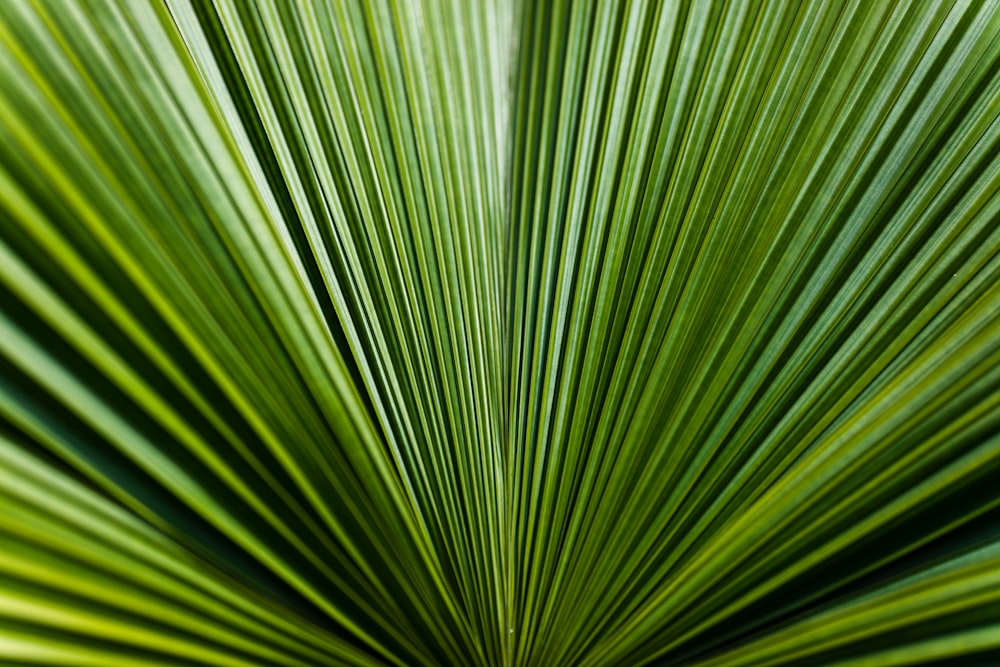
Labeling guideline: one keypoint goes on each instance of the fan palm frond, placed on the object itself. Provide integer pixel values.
(438, 332)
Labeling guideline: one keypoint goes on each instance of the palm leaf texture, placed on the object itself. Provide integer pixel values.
(486, 332)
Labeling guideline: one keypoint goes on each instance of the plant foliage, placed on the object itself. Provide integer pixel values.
(487, 332)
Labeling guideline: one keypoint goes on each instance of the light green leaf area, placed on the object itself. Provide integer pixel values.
(502, 333)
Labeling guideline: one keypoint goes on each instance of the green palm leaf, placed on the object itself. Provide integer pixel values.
(499, 333)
